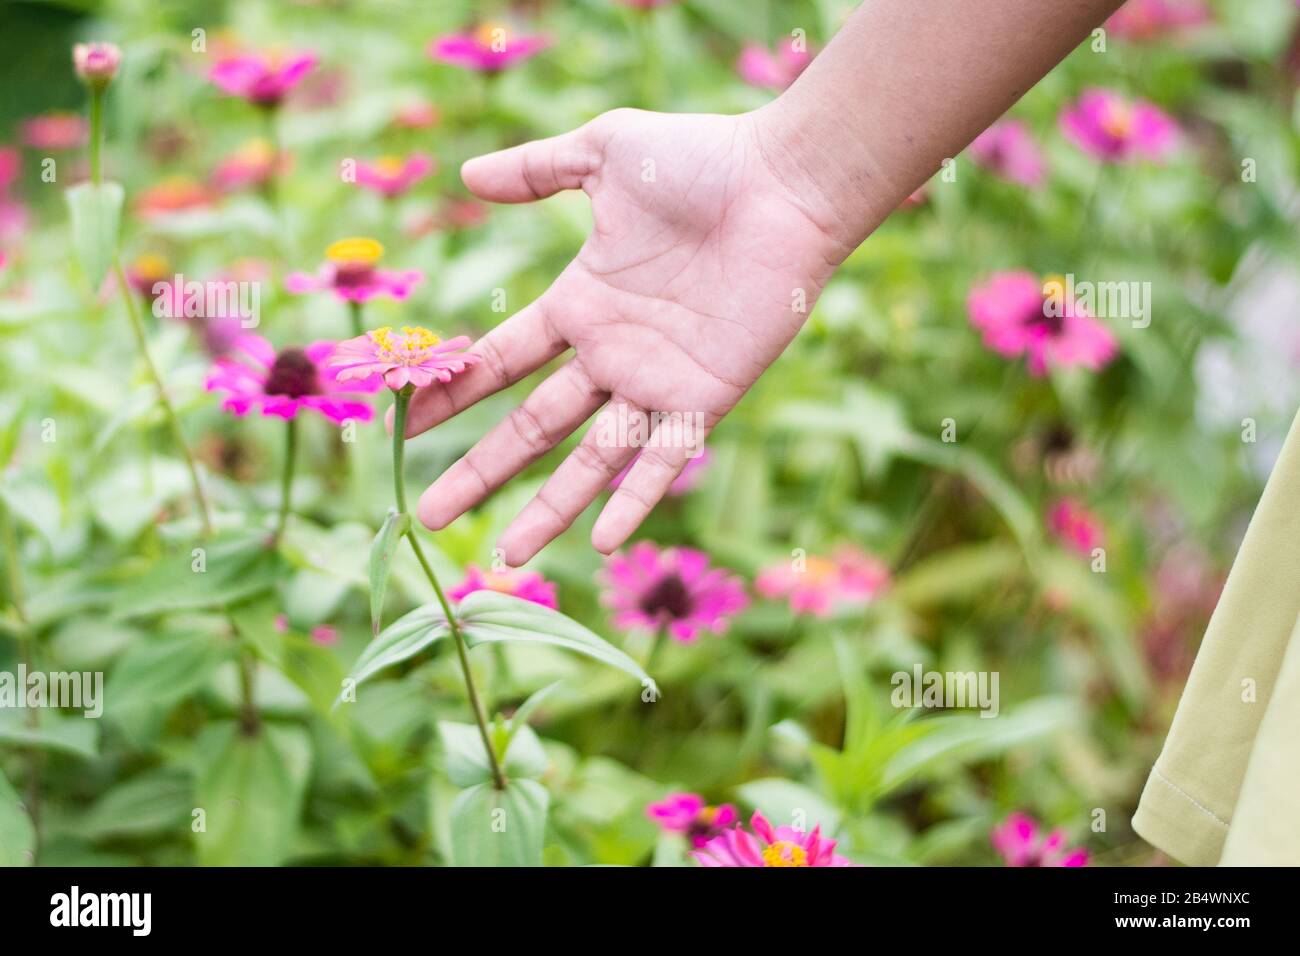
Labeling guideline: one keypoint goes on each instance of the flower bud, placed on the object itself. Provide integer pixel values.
(96, 63)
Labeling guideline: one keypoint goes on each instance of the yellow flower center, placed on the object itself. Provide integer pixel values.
(1117, 120)
(494, 36)
(355, 250)
(820, 569)
(785, 853)
(409, 347)
(256, 151)
(151, 266)
(392, 165)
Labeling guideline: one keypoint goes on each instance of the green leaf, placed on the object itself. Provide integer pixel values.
(785, 802)
(466, 761)
(529, 707)
(154, 802)
(17, 835)
(381, 562)
(488, 616)
(250, 788)
(492, 827)
(401, 640)
(76, 736)
(96, 213)
(224, 571)
(159, 672)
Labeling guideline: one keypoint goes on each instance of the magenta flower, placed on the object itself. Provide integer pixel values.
(687, 813)
(489, 49)
(351, 272)
(55, 131)
(768, 846)
(1021, 843)
(821, 586)
(414, 356)
(390, 176)
(774, 70)
(1075, 526)
(1148, 19)
(673, 589)
(253, 164)
(1007, 150)
(96, 63)
(280, 384)
(527, 585)
(262, 79)
(686, 481)
(1017, 317)
(1116, 129)
(418, 114)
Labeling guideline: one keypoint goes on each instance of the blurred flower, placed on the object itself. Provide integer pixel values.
(1116, 129)
(450, 215)
(172, 195)
(1021, 843)
(390, 176)
(688, 479)
(414, 356)
(490, 49)
(1186, 588)
(282, 383)
(96, 63)
(527, 585)
(688, 813)
(323, 634)
(782, 846)
(646, 4)
(775, 70)
(917, 197)
(11, 164)
(420, 114)
(1148, 19)
(673, 589)
(55, 131)
(252, 164)
(1075, 526)
(819, 586)
(350, 273)
(1017, 317)
(1007, 149)
(145, 271)
(264, 79)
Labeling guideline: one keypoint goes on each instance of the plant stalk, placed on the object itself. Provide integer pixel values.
(286, 482)
(402, 401)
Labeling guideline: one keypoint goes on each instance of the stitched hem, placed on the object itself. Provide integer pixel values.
(1171, 819)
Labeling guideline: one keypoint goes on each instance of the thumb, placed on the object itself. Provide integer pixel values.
(533, 170)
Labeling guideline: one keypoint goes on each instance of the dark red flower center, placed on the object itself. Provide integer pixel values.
(669, 596)
(1050, 316)
(293, 374)
(348, 275)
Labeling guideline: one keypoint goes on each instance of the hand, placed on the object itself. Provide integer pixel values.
(700, 269)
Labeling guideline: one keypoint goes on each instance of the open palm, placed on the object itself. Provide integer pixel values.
(698, 272)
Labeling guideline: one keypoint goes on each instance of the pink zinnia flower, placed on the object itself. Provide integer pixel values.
(1021, 843)
(414, 356)
(687, 480)
(262, 79)
(96, 63)
(390, 176)
(775, 70)
(55, 131)
(527, 585)
(688, 813)
(1075, 526)
(282, 383)
(450, 215)
(1007, 149)
(1116, 129)
(253, 164)
(1017, 317)
(350, 272)
(1148, 19)
(768, 846)
(11, 164)
(824, 585)
(673, 589)
(419, 114)
(175, 194)
(490, 49)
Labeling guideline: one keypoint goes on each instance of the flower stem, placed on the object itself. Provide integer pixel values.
(286, 482)
(402, 401)
(354, 313)
(96, 133)
(173, 422)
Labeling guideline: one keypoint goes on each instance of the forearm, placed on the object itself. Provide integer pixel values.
(903, 85)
